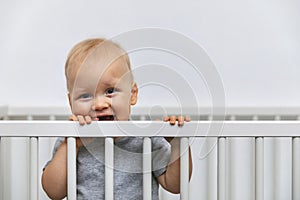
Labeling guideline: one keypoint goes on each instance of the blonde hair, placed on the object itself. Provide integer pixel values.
(80, 52)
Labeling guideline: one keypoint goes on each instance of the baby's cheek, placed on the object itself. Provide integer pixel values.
(121, 108)
(79, 108)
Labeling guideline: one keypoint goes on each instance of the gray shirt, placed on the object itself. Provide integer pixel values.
(128, 176)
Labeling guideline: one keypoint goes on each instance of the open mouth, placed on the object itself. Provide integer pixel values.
(106, 118)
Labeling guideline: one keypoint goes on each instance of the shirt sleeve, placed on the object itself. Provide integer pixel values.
(56, 145)
(161, 155)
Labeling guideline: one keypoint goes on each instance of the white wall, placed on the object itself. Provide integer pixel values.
(255, 46)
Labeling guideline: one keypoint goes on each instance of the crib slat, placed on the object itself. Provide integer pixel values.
(1, 170)
(212, 168)
(259, 168)
(269, 169)
(147, 175)
(109, 168)
(34, 168)
(241, 174)
(5, 164)
(184, 168)
(296, 168)
(222, 169)
(283, 168)
(72, 192)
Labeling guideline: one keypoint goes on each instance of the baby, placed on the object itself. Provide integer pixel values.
(101, 87)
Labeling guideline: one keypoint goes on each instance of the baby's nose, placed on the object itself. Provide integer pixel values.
(101, 103)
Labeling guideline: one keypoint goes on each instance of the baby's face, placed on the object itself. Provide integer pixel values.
(105, 92)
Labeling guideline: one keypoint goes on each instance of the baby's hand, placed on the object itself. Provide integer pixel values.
(181, 119)
(172, 120)
(82, 119)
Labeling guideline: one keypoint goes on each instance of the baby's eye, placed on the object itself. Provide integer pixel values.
(110, 90)
(85, 96)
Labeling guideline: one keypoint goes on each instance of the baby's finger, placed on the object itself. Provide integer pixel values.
(166, 118)
(180, 120)
(88, 119)
(187, 118)
(81, 120)
(173, 120)
(72, 118)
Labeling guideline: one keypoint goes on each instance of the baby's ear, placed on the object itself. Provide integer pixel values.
(134, 93)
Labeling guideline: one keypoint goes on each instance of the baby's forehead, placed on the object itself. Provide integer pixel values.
(95, 73)
(106, 52)
(103, 58)
(100, 64)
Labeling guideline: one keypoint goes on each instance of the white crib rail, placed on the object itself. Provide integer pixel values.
(153, 129)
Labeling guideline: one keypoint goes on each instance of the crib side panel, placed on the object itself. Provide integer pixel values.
(240, 167)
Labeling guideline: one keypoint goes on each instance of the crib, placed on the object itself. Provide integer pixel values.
(248, 153)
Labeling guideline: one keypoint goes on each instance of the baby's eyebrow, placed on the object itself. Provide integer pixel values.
(107, 82)
(110, 82)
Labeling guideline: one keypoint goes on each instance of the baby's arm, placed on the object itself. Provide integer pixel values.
(170, 180)
(54, 178)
